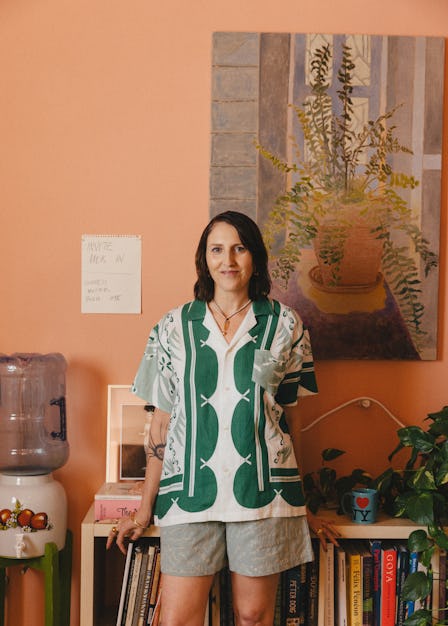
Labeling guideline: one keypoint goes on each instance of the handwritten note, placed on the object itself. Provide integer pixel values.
(111, 274)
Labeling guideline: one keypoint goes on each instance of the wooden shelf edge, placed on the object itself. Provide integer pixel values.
(385, 528)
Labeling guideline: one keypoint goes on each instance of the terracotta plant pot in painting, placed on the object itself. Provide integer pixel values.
(348, 251)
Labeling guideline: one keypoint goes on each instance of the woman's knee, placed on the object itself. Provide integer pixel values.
(254, 599)
(254, 616)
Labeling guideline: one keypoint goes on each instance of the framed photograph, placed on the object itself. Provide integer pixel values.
(128, 423)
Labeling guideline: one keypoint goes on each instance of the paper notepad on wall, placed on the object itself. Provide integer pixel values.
(111, 274)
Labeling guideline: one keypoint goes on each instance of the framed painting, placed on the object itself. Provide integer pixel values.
(128, 422)
(333, 144)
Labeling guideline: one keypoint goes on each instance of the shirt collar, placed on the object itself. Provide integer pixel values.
(197, 308)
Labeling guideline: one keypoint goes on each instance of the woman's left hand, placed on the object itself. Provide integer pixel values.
(325, 530)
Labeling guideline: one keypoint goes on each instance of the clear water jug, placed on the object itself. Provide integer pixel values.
(33, 437)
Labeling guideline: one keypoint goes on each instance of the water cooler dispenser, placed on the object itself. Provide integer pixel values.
(33, 443)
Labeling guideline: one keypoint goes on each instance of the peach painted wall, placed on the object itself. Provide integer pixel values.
(104, 127)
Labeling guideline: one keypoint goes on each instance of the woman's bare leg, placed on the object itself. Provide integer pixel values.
(254, 599)
(184, 599)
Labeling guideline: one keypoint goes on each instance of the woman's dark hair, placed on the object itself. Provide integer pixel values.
(250, 235)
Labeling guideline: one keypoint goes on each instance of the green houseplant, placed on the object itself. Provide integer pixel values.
(323, 488)
(420, 493)
(345, 191)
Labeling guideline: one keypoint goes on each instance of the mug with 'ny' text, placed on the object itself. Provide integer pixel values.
(361, 504)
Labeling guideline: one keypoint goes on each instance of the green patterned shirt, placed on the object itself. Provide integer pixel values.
(229, 456)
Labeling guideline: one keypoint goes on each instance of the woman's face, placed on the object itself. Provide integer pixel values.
(228, 260)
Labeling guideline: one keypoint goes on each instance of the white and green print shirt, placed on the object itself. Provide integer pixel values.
(228, 456)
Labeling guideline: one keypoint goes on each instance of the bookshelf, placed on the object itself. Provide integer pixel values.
(102, 571)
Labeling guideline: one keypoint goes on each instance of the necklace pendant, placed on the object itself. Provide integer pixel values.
(227, 318)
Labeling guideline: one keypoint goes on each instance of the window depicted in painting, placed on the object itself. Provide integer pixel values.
(332, 143)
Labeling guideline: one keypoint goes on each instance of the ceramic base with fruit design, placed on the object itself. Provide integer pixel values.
(33, 512)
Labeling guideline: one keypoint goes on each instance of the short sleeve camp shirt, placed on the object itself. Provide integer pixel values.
(228, 454)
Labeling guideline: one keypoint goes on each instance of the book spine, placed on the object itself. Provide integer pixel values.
(329, 596)
(341, 587)
(127, 583)
(388, 585)
(278, 604)
(303, 594)
(322, 584)
(402, 572)
(155, 619)
(111, 509)
(144, 605)
(295, 595)
(124, 584)
(141, 583)
(367, 590)
(134, 584)
(313, 591)
(355, 589)
(375, 548)
(154, 585)
(292, 590)
(413, 566)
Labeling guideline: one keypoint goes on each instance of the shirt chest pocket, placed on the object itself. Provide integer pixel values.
(268, 371)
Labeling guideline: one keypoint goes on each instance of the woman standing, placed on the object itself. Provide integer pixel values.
(224, 373)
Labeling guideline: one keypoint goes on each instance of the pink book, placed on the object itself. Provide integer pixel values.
(115, 500)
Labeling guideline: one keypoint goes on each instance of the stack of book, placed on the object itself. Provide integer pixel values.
(140, 591)
(358, 583)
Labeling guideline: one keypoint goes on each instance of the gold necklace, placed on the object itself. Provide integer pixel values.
(227, 318)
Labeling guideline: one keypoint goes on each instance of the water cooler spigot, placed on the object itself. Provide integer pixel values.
(20, 545)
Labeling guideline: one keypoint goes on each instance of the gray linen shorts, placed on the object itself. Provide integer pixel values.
(256, 548)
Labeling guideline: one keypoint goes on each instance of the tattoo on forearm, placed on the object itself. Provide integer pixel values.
(156, 449)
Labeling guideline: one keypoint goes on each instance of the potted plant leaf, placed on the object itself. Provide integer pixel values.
(345, 196)
(422, 496)
(323, 488)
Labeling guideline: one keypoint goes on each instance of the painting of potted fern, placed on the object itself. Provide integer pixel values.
(345, 199)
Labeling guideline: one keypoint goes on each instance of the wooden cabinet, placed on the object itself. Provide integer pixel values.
(101, 570)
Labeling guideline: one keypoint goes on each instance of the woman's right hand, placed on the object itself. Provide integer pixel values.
(127, 528)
